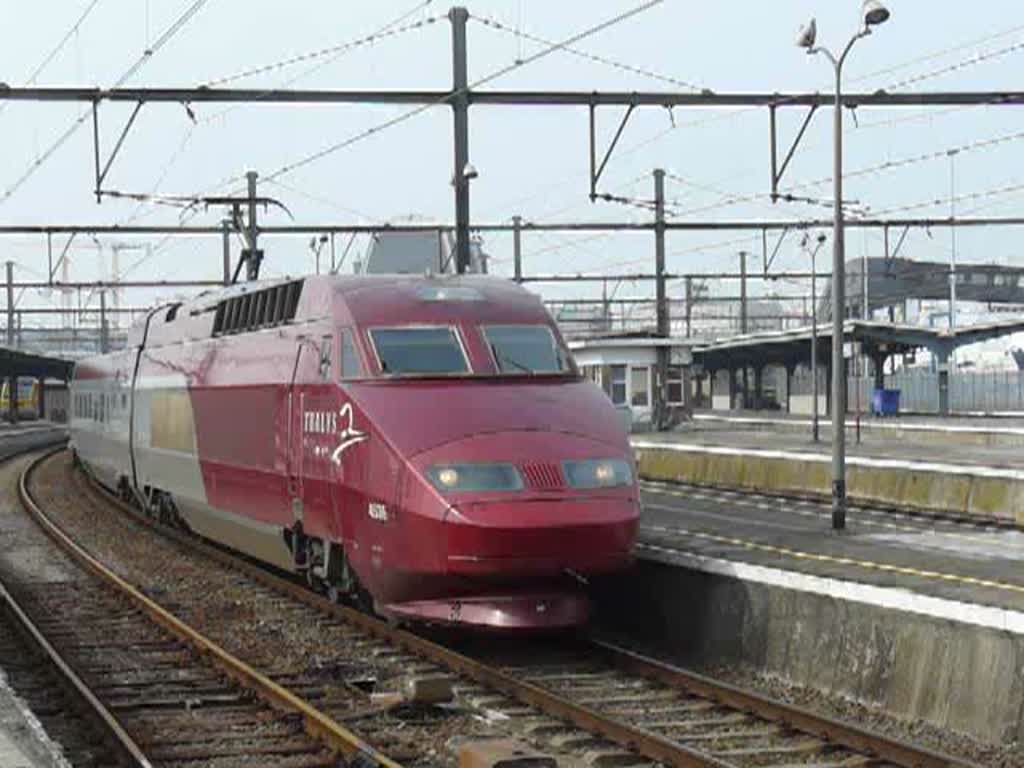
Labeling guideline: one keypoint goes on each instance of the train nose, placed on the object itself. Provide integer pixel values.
(541, 536)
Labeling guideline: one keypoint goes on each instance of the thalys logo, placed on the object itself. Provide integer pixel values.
(340, 423)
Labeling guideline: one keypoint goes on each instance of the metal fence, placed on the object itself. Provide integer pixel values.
(969, 392)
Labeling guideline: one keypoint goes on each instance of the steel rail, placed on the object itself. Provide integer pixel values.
(122, 742)
(315, 723)
(856, 502)
(645, 742)
(130, 752)
(867, 742)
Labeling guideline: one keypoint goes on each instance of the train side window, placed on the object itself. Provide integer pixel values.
(351, 368)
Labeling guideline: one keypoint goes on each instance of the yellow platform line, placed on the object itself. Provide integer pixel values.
(703, 493)
(796, 554)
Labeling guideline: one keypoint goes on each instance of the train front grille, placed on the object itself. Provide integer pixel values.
(542, 476)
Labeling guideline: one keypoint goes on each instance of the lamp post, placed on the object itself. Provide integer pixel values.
(873, 13)
(814, 332)
(952, 253)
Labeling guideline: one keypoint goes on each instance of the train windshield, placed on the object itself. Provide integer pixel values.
(526, 349)
(419, 352)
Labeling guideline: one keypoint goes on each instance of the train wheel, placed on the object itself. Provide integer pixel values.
(314, 582)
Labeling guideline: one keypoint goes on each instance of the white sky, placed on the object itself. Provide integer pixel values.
(532, 161)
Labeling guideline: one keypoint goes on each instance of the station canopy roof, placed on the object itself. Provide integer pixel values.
(14, 362)
(793, 346)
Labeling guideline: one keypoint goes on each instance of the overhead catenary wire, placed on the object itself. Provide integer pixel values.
(981, 195)
(620, 65)
(408, 115)
(957, 66)
(176, 26)
(57, 48)
(340, 50)
(885, 166)
(326, 201)
(931, 56)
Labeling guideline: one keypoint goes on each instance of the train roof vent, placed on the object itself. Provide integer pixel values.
(259, 309)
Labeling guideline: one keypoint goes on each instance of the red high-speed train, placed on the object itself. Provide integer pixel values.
(422, 442)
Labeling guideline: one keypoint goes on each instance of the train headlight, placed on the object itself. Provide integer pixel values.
(448, 477)
(598, 473)
(475, 477)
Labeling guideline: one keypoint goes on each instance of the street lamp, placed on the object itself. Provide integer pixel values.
(873, 13)
(814, 330)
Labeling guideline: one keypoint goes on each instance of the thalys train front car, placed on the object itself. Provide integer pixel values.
(510, 479)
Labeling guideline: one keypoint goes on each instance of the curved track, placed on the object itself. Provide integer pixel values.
(586, 701)
(167, 694)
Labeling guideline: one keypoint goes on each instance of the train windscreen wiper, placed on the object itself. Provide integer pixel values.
(501, 357)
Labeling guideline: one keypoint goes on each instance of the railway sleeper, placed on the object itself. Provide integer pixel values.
(733, 718)
(608, 702)
(761, 752)
(613, 758)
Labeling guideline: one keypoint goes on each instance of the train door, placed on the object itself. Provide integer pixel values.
(295, 453)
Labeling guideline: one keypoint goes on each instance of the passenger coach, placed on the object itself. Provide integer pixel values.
(426, 444)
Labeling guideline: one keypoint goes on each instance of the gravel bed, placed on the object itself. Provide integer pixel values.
(854, 712)
(281, 637)
(322, 659)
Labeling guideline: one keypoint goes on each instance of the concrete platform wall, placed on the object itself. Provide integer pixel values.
(890, 431)
(993, 494)
(958, 676)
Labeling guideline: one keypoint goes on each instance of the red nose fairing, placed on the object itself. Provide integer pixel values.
(513, 559)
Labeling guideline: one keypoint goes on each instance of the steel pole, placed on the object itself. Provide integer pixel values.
(252, 266)
(10, 304)
(838, 315)
(814, 344)
(952, 254)
(689, 306)
(743, 292)
(225, 226)
(517, 248)
(104, 337)
(460, 111)
(661, 299)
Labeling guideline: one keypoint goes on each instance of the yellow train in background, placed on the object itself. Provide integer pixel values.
(27, 398)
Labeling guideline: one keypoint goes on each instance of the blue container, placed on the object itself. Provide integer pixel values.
(885, 402)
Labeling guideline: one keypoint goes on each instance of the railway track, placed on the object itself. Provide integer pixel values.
(873, 512)
(580, 701)
(160, 693)
(73, 730)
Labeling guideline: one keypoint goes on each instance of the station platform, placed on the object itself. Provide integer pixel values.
(920, 618)
(23, 744)
(1005, 430)
(931, 471)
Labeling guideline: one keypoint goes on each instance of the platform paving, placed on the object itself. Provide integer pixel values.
(23, 741)
(932, 442)
(970, 565)
(23, 744)
(920, 617)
